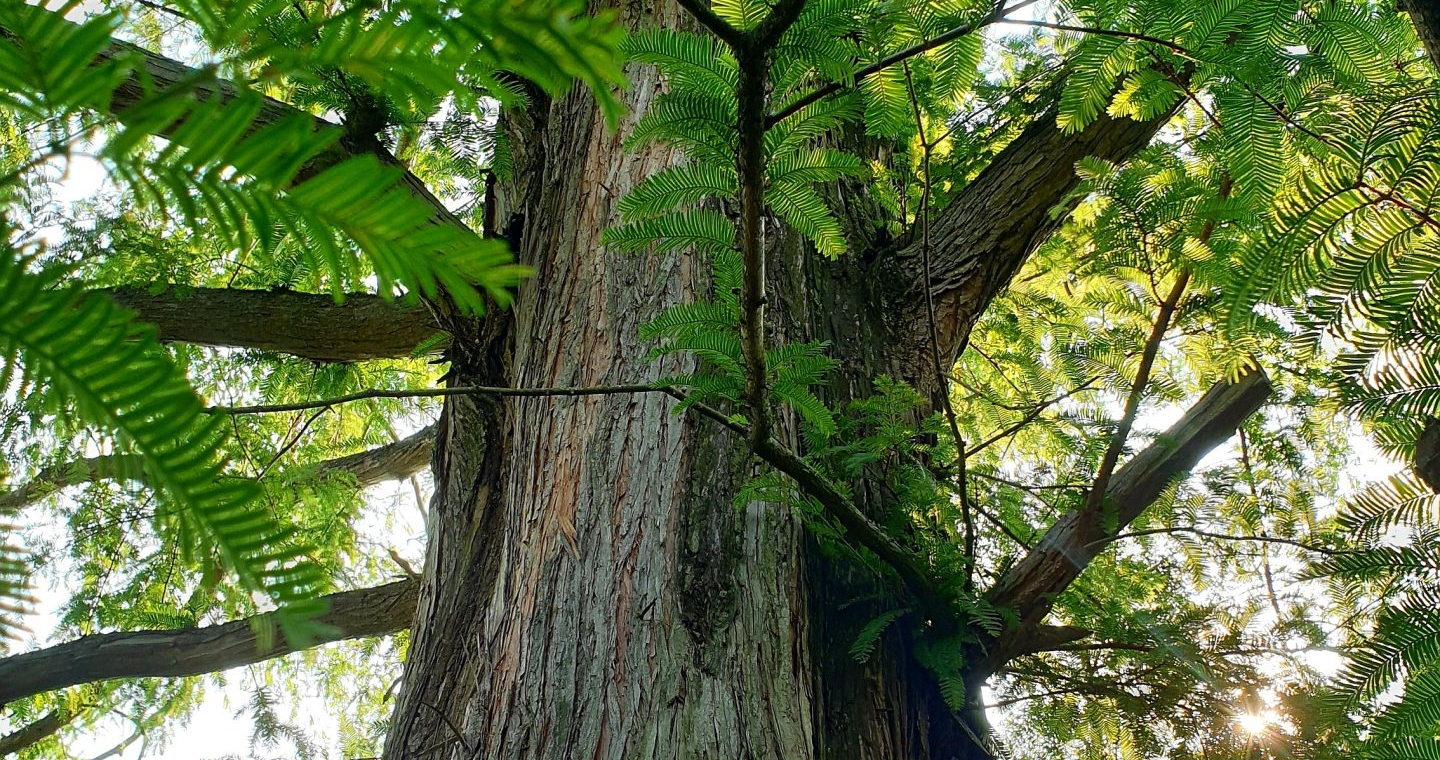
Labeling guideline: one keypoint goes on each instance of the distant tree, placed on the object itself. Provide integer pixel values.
(798, 372)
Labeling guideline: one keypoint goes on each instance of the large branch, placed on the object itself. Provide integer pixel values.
(1065, 550)
(53, 478)
(307, 325)
(193, 651)
(980, 240)
(161, 74)
(33, 733)
(393, 461)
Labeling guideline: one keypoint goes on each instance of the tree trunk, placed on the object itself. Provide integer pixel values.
(591, 588)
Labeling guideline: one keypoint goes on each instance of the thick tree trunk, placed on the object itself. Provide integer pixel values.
(591, 588)
(596, 593)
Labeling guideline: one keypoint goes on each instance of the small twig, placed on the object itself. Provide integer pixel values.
(1222, 537)
(825, 91)
(1255, 497)
(941, 376)
(1103, 646)
(595, 390)
(290, 444)
(1101, 33)
(1030, 416)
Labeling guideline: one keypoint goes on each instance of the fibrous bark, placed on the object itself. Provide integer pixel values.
(591, 588)
(1425, 15)
(192, 651)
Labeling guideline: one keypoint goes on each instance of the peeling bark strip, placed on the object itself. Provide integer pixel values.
(192, 651)
(1075, 539)
(307, 325)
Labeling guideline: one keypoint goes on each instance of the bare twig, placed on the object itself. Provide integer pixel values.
(825, 91)
(1101, 33)
(1137, 391)
(1223, 537)
(941, 376)
(594, 390)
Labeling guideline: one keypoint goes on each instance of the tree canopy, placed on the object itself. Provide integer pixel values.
(237, 329)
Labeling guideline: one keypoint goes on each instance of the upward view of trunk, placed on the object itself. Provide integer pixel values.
(592, 590)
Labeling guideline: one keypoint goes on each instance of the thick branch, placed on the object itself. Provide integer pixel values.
(52, 479)
(979, 241)
(34, 732)
(307, 325)
(1031, 586)
(192, 651)
(392, 461)
(159, 74)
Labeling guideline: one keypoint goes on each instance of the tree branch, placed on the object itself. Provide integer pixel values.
(1031, 586)
(820, 93)
(392, 461)
(700, 10)
(308, 325)
(1137, 389)
(36, 731)
(193, 651)
(51, 479)
(461, 390)
(1223, 537)
(158, 73)
(982, 237)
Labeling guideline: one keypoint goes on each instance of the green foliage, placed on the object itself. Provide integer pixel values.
(118, 379)
(211, 183)
(708, 331)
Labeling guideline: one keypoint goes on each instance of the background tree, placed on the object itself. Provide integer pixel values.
(912, 283)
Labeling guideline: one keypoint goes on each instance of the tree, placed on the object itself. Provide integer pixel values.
(793, 225)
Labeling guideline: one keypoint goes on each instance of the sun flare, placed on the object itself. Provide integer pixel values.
(1256, 723)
